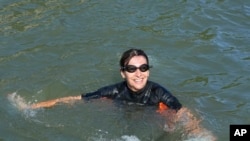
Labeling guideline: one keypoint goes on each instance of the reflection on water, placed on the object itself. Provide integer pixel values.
(25, 15)
(51, 49)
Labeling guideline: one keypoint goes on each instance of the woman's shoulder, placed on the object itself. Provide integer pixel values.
(154, 84)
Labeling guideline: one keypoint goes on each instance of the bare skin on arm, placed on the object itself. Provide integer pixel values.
(53, 102)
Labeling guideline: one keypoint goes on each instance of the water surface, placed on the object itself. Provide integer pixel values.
(49, 49)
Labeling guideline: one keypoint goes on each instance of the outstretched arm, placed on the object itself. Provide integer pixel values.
(51, 103)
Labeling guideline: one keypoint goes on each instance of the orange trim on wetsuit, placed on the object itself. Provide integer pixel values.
(162, 106)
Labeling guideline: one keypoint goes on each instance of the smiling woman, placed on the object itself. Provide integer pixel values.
(136, 88)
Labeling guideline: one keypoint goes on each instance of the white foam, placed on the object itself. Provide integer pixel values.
(19, 103)
(129, 138)
(122, 138)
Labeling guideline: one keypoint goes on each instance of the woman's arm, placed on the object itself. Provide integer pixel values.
(192, 126)
(51, 103)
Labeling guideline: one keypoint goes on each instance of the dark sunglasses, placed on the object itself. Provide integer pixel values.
(132, 68)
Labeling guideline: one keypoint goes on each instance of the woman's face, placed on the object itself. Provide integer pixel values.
(136, 80)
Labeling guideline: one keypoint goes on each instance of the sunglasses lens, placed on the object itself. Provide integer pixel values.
(131, 68)
(144, 68)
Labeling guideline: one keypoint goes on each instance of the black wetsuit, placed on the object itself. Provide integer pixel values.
(152, 94)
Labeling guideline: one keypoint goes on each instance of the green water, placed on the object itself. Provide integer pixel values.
(49, 49)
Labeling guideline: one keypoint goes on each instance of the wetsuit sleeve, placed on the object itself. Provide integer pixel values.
(171, 101)
(108, 91)
(167, 98)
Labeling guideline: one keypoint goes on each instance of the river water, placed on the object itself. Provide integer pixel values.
(54, 48)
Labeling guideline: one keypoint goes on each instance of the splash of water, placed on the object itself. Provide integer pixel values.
(129, 138)
(122, 138)
(19, 103)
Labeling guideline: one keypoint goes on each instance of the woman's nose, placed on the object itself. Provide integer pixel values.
(138, 72)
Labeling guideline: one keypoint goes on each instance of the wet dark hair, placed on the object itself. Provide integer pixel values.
(127, 55)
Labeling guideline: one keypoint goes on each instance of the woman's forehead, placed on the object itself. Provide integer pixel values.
(137, 60)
